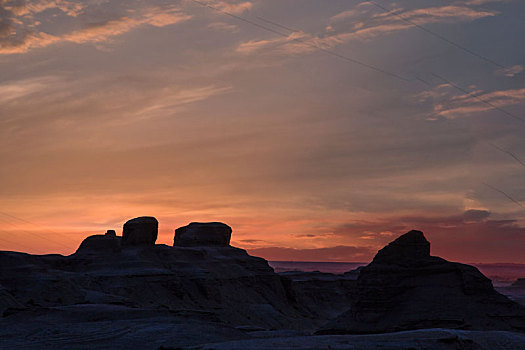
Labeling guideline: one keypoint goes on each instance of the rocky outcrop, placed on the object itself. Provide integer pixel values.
(149, 296)
(96, 244)
(219, 283)
(207, 280)
(203, 234)
(405, 288)
(140, 231)
(408, 250)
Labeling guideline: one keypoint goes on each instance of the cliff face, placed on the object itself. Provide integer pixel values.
(201, 277)
(405, 288)
(224, 283)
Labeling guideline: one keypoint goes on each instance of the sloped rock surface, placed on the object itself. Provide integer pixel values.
(203, 234)
(108, 243)
(409, 249)
(405, 288)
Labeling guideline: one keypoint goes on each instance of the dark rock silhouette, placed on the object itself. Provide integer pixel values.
(520, 283)
(8, 301)
(140, 231)
(220, 283)
(111, 233)
(320, 295)
(353, 274)
(405, 288)
(96, 244)
(203, 291)
(409, 249)
(203, 234)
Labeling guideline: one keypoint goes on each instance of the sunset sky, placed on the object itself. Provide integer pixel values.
(317, 129)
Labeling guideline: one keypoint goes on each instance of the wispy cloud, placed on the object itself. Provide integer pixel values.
(97, 32)
(482, 2)
(510, 71)
(365, 24)
(124, 100)
(27, 8)
(223, 27)
(12, 91)
(294, 43)
(19, 39)
(359, 9)
(449, 105)
(383, 23)
(171, 99)
(235, 7)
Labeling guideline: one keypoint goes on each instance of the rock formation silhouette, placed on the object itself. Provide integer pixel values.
(139, 231)
(97, 244)
(203, 234)
(405, 288)
(208, 277)
(128, 292)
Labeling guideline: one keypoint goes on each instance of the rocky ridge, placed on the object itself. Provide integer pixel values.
(405, 288)
(222, 282)
(130, 292)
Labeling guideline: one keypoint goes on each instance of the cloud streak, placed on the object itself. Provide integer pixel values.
(510, 72)
(20, 39)
(29, 8)
(234, 7)
(451, 106)
(375, 25)
(22, 89)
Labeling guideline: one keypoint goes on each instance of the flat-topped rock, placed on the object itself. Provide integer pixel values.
(203, 234)
(140, 231)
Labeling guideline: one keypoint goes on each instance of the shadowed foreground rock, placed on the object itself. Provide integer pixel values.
(203, 234)
(140, 231)
(217, 283)
(204, 293)
(405, 288)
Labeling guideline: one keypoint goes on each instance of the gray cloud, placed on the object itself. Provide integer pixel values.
(475, 215)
